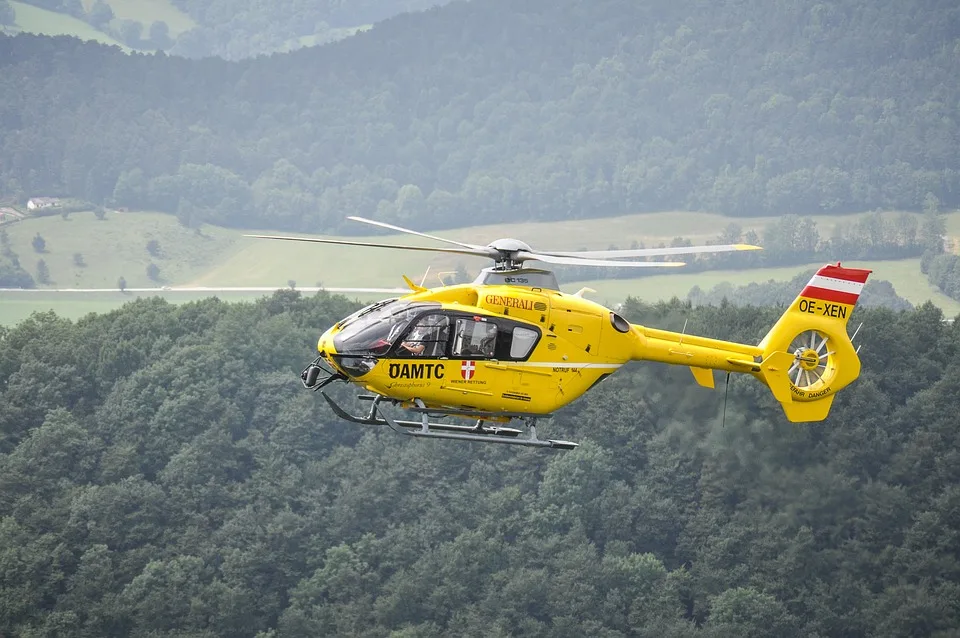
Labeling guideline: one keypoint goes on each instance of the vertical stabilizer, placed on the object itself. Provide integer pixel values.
(807, 355)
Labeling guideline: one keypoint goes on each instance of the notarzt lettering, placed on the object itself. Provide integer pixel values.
(416, 371)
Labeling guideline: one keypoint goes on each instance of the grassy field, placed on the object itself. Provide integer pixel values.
(904, 274)
(260, 262)
(33, 19)
(116, 247)
(148, 11)
(17, 306)
(649, 228)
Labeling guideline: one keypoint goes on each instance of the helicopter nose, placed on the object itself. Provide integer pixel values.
(325, 343)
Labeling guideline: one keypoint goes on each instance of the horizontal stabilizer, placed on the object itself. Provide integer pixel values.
(703, 376)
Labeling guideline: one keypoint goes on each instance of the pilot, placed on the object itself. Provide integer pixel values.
(414, 345)
(429, 330)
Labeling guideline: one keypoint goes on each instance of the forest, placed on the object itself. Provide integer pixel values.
(162, 472)
(504, 111)
(12, 274)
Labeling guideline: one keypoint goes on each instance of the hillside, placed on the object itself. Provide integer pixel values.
(183, 483)
(502, 111)
(230, 29)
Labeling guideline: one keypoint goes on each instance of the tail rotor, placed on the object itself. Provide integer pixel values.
(814, 365)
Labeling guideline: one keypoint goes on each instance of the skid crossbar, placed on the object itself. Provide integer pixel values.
(424, 428)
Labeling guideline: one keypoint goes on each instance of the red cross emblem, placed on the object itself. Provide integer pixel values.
(466, 369)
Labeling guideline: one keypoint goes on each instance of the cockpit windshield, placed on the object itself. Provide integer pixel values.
(374, 329)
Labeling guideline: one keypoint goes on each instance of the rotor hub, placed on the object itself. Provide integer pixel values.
(807, 358)
(813, 361)
(508, 253)
(509, 245)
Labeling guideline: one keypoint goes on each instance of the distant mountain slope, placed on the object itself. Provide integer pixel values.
(500, 110)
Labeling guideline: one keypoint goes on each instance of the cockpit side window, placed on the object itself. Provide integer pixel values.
(474, 338)
(428, 337)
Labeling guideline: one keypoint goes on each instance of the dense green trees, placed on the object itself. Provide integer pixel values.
(944, 272)
(100, 14)
(7, 15)
(495, 111)
(43, 271)
(12, 273)
(162, 471)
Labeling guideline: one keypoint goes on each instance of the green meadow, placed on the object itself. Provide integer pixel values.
(904, 274)
(31, 19)
(17, 306)
(117, 247)
(149, 11)
(211, 257)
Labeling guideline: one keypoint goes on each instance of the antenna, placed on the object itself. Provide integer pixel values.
(683, 334)
(425, 273)
(726, 388)
(855, 333)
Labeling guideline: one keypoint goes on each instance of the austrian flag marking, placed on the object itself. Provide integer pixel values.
(836, 284)
(467, 369)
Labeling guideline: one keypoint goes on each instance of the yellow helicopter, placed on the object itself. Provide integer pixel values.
(512, 346)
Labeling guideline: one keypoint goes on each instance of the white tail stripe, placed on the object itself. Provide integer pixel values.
(837, 285)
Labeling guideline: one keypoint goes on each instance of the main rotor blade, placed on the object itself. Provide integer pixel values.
(317, 240)
(579, 261)
(373, 222)
(654, 252)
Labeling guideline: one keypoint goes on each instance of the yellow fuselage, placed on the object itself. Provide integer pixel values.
(580, 343)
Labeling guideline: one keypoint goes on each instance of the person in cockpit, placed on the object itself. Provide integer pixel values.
(428, 337)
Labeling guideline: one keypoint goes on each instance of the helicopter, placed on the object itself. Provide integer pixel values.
(511, 348)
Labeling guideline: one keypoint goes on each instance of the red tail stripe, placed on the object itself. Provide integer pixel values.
(823, 294)
(858, 275)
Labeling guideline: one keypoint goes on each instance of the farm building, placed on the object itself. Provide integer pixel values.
(36, 203)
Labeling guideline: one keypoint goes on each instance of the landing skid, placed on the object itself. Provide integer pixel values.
(481, 431)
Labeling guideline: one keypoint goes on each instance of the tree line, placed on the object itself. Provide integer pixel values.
(791, 240)
(162, 471)
(495, 111)
(878, 293)
(12, 274)
(235, 29)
